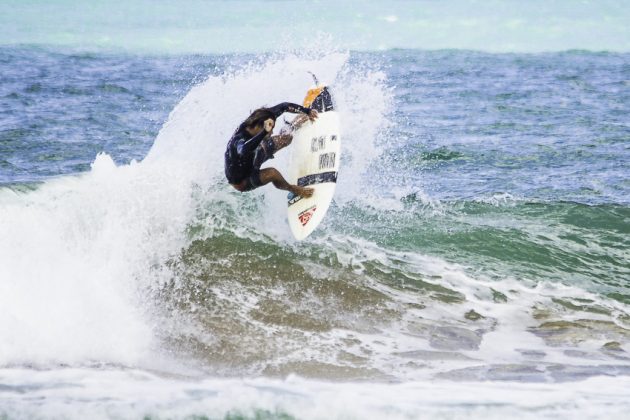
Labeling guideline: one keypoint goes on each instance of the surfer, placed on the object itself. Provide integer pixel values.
(252, 144)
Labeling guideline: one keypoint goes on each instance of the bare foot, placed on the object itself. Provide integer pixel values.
(304, 192)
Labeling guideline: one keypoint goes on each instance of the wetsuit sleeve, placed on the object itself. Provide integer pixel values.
(288, 107)
(244, 147)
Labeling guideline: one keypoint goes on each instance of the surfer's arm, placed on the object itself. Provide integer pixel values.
(244, 147)
(289, 107)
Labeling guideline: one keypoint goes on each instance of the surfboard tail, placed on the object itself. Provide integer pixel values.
(314, 78)
(319, 98)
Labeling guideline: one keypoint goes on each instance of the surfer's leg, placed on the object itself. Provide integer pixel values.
(265, 151)
(272, 175)
(281, 141)
(262, 177)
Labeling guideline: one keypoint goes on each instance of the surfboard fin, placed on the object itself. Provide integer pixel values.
(314, 78)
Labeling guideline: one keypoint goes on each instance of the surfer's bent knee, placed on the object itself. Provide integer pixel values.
(250, 183)
(282, 140)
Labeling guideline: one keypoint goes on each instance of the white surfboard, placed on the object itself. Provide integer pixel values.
(316, 150)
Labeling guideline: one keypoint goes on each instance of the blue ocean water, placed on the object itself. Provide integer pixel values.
(217, 26)
(475, 261)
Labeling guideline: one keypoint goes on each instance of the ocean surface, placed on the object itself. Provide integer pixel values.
(474, 264)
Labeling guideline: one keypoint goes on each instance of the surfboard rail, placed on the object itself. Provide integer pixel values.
(314, 163)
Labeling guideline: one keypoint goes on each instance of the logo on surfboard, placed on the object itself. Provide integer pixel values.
(293, 198)
(306, 215)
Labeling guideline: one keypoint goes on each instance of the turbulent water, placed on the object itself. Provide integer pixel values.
(475, 261)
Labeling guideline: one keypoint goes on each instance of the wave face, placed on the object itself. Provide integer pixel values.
(128, 227)
(194, 26)
(479, 233)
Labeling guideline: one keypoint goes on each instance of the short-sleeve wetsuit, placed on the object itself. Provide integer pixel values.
(245, 153)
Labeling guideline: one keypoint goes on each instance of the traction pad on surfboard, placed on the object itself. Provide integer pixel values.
(319, 99)
(317, 178)
(311, 180)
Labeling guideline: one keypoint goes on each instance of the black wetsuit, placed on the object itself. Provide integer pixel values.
(245, 154)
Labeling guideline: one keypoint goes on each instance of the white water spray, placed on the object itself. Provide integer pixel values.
(77, 254)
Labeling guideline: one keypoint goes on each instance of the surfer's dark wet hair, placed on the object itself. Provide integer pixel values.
(258, 117)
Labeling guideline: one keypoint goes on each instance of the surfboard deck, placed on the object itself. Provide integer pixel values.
(316, 149)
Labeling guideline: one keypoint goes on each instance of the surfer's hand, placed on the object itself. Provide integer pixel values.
(269, 123)
(312, 115)
(299, 121)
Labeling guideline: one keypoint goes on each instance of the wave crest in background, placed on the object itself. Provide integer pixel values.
(193, 26)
